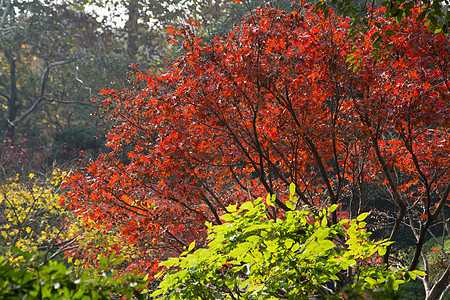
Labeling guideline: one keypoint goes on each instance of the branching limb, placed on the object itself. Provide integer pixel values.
(7, 5)
(40, 97)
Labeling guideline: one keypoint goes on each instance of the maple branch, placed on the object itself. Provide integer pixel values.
(61, 247)
(240, 184)
(262, 176)
(73, 102)
(318, 160)
(397, 198)
(211, 207)
(215, 197)
(282, 157)
(409, 146)
(176, 239)
(323, 173)
(430, 216)
(174, 200)
(445, 293)
(252, 162)
(441, 202)
(336, 157)
(59, 244)
(283, 178)
(128, 206)
(425, 227)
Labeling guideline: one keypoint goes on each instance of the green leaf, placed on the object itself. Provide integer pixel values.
(295, 247)
(362, 216)
(103, 262)
(333, 208)
(374, 52)
(292, 189)
(422, 16)
(111, 256)
(227, 217)
(191, 246)
(396, 284)
(172, 261)
(118, 261)
(232, 208)
(290, 205)
(240, 249)
(350, 57)
(246, 205)
(412, 275)
(370, 280)
(419, 273)
(288, 243)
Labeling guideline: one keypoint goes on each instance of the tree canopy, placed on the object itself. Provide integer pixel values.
(284, 98)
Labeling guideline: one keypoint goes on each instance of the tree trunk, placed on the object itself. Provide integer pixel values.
(131, 27)
(12, 100)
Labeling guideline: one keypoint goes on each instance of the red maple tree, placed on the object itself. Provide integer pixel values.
(286, 97)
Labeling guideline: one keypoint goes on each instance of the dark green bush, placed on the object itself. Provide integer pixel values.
(56, 281)
(69, 142)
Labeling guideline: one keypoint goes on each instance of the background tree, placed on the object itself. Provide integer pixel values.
(32, 47)
(54, 61)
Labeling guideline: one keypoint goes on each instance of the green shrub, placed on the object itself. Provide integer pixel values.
(252, 257)
(56, 281)
(69, 142)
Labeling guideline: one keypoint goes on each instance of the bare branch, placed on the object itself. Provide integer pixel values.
(40, 97)
(5, 13)
(4, 96)
(73, 102)
(441, 282)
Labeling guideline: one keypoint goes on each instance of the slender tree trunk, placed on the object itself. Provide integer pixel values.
(131, 27)
(12, 100)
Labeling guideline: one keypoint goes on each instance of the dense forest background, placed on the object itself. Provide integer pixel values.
(57, 56)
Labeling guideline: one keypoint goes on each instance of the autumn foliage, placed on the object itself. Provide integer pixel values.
(285, 98)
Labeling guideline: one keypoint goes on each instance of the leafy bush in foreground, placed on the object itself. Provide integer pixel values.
(250, 256)
(56, 281)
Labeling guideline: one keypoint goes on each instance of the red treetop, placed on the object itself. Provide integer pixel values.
(273, 102)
